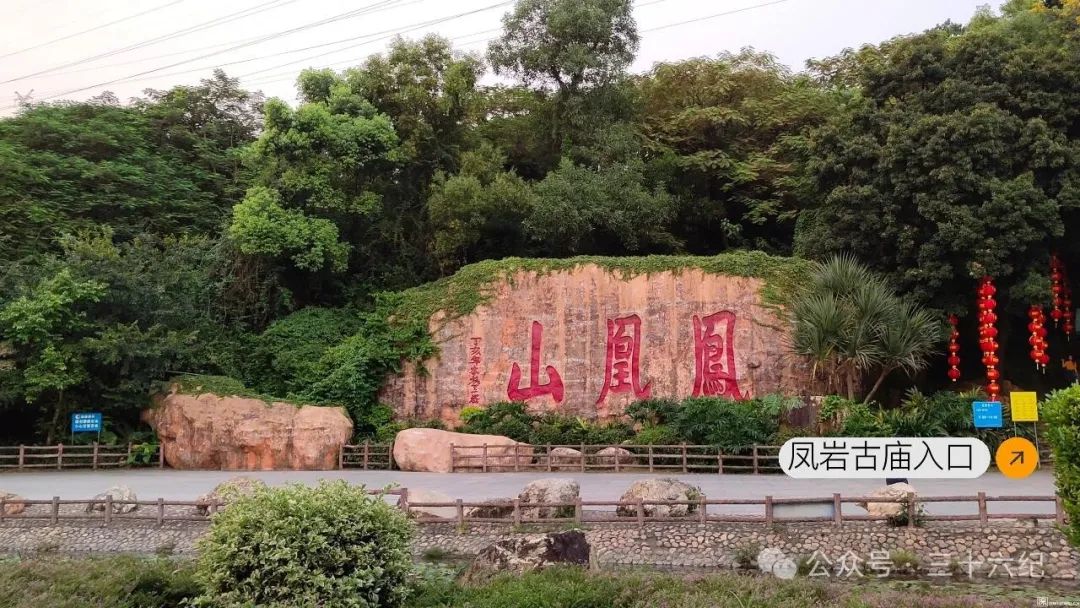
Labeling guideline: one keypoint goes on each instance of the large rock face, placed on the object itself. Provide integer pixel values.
(235, 433)
(430, 450)
(588, 342)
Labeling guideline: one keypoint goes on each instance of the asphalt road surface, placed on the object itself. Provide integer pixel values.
(150, 484)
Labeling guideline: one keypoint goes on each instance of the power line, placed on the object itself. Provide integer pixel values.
(707, 17)
(93, 29)
(321, 22)
(247, 12)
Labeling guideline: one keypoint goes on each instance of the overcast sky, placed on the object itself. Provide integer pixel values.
(138, 44)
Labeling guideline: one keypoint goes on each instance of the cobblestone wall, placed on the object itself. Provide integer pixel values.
(1000, 550)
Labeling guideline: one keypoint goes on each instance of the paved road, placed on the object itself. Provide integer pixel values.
(150, 484)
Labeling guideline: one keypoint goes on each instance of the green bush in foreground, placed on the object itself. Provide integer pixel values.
(333, 545)
(1062, 414)
(114, 582)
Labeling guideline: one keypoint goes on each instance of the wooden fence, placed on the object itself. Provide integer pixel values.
(629, 458)
(634, 512)
(195, 510)
(93, 456)
(367, 456)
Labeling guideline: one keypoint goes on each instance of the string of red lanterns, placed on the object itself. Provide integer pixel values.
(1038, 336)
(954, 349)
(1056, 291)
(1068, 313)
(988, 336)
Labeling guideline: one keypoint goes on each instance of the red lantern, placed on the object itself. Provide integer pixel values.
(1037, 340)
(987, 334)
(954, 349)
(1056, 276)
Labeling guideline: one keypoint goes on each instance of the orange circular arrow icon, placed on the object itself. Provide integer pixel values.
(1016, 458)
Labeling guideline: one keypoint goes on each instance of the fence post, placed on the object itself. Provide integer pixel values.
(22, 455)
(367, 454)
(59, 455)
(684, 457)
(160, 512)
(95, 455)
(55, 509)
(617, 458)
(390, 456)
(128, 453)
(404, 501)
(453, 459)
(702, 505)
(837, 517)
(3, 507)
(108, 509)
(547, 449)
(577, 510)
(755, 460)
(1059, 511)
(517, 511)
(460, 516)
(983, 515)
(483, 459)
(719, 461)
(517, 454)
(161, 456)
(911, 511)
(650, 458)
(640, 512)
(583, 457)
(768, 511)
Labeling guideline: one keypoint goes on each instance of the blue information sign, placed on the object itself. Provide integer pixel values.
(987, 414)
(86, 422)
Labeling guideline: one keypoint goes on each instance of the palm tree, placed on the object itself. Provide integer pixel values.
(849, 322)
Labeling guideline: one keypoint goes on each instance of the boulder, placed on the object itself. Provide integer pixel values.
(899, 491)
(659, 489)
(497, 508)
(429, 450)
(429, 496)
(529, 553)
(564, 459)
(235, 433)
(13, 504)
(610, 455)
(226, 491)
(122, 496)
(552, 490)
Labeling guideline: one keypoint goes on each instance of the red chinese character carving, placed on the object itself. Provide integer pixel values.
(714, 356)
(621, 366)
(475, 358)
(554, 385)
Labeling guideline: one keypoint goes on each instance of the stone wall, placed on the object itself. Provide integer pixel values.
(942, 549)
(589, 341)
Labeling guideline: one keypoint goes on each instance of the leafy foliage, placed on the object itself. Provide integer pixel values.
(297, 546)
(1062, 414)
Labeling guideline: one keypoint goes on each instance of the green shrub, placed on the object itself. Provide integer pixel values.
(333, 545)
(115, 582)
(659, 434)
(507, 418)
(652, 411)
(1062, 414)
(286, 355)
(560, 429)
(731, 425)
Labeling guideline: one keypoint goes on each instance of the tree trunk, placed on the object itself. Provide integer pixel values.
(55, 418)
(851, 384)
(885, 371)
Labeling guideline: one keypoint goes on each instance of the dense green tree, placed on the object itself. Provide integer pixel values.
(719, 132)
(166, 164)
(957, 158)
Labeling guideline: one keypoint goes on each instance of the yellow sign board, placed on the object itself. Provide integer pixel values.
(1024, 406)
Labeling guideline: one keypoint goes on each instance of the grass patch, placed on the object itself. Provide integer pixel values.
(224, 386)
(113, 582)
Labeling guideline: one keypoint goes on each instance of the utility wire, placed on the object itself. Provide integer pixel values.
(707, 17)
(274, 36)
(247, 12)
(93, 29)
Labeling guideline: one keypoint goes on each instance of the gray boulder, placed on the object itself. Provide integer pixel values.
(610, 455)
(552, 490)
(564, 459)
(529, 553)
(659, 489)
(419, 497)
(13, 504)
(122, 496)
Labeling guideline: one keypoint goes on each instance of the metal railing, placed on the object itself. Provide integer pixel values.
(92, 456)
(629, 458)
